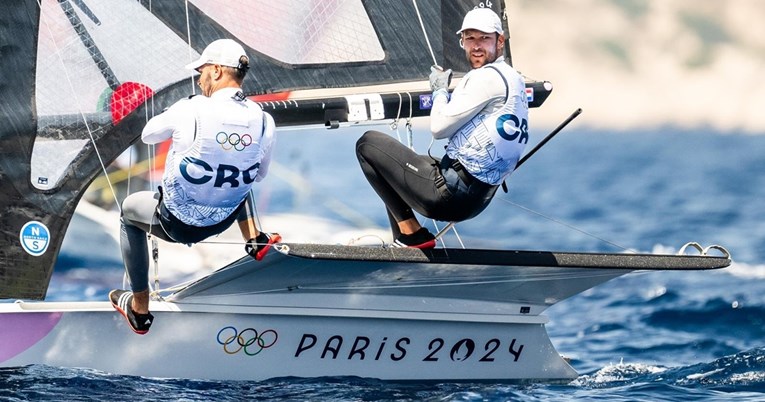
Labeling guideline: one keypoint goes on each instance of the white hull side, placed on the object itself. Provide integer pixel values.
(184, 344)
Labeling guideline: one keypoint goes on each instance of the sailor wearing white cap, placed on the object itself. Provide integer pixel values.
(485, 121)
(482, 19)
(221, 144)
(225, 52)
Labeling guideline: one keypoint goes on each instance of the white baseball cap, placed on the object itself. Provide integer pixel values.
(225, 52)
(482, 19)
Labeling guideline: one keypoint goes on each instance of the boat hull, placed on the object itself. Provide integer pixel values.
(326, 311)
(248, 344)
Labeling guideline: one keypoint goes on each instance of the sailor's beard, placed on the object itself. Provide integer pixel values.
(487, 56)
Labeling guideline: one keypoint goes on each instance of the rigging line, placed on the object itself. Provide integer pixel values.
(459, 238)
(156, 294)
(410, 134)
(59, 53)
(152, 166)
(130, 149)
(151, 149)
(394, 123)
(191, 54)
(568, 225)
(425, 33)
(441, 232)
(505, 14)
(251, 194)
(130, 170)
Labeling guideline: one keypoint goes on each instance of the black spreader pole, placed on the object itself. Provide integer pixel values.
(576, 113)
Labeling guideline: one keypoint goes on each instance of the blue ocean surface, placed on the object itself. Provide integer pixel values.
(645, 336)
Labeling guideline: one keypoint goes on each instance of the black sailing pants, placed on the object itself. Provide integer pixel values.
(408, 181)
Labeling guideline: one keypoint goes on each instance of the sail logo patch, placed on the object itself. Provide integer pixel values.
(35, 238)
(426, 102)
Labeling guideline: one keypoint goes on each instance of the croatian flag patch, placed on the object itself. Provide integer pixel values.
(530, 94)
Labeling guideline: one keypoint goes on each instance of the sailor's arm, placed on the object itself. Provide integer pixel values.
(477, 90)
(178, 118)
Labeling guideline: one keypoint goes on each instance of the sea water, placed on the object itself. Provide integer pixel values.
(644, 336)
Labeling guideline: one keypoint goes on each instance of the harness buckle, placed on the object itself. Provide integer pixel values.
(456, 165)
(440, 181)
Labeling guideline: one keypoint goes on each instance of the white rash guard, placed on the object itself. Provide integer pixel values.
(220, 146)
(486, 121)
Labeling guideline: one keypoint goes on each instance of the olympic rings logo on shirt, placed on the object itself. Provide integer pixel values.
(233, 141)
(248, 340)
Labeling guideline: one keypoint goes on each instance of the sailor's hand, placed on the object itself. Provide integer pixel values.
(440, 79)
(259, 246)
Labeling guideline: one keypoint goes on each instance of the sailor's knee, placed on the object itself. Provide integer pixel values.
(129, 206)
(363, 140)
(136, 206)
(367, 139)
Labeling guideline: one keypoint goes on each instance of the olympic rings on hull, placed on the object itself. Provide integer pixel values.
(235, 141)
(248, 340)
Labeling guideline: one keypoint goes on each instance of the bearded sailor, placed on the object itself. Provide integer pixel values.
(486, 123)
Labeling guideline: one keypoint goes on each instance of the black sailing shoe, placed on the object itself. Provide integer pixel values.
(421, 239)
(121, 301)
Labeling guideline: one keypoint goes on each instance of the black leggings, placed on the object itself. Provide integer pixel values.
(408, 181)
(161, 223)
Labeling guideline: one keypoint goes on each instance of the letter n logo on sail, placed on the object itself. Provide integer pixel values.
(34, 238)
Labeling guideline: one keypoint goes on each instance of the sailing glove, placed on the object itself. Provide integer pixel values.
(259, 246)
(440, 79)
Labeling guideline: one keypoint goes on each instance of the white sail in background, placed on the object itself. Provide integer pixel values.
(93, 60)
(300, 32)
(120, 39)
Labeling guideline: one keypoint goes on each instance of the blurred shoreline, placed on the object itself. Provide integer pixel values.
(685, 64)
